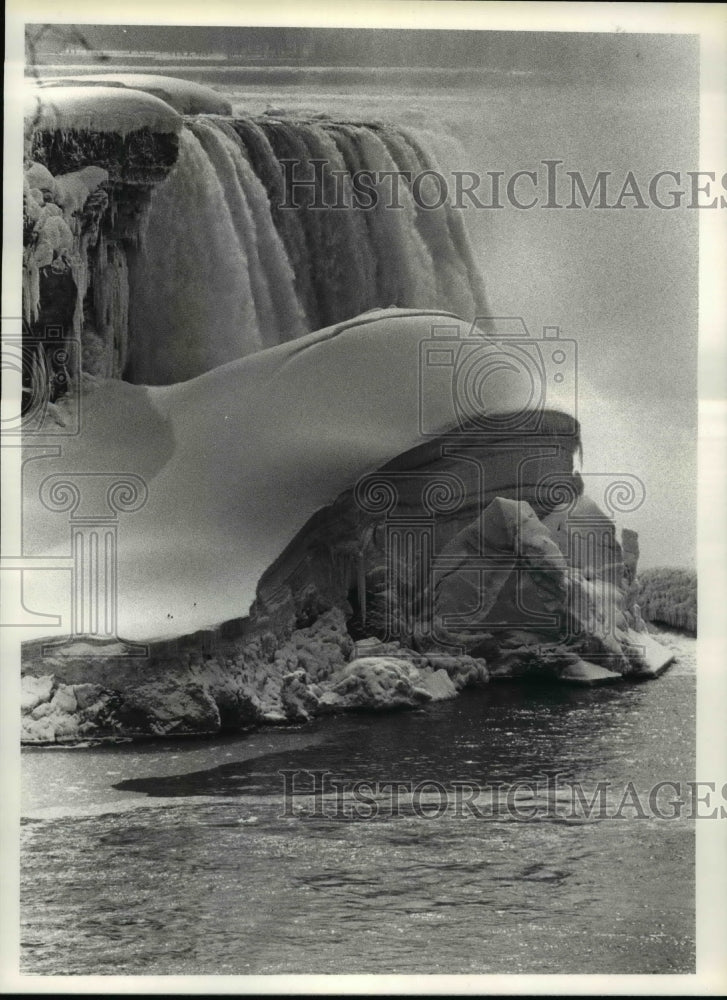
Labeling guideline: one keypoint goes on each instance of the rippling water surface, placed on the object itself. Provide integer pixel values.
(179, 857)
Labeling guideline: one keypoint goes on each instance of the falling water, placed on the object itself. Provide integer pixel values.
(234, 259)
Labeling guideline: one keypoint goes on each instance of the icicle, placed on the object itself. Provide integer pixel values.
(31, 288)
(452, 280)
(286, 223)
(361, 585)
(111, 309)
(79, 272)
(279, 316)
(408, 277)
(287, 143)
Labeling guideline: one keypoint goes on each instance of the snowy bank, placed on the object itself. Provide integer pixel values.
(96, 691)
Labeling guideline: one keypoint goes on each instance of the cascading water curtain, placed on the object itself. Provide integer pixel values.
(235, 258)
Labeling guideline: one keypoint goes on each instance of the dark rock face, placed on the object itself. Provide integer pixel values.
(141, 158)
(425, 498)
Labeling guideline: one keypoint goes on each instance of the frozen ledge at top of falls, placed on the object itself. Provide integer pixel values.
(184, 96)
(98, 109)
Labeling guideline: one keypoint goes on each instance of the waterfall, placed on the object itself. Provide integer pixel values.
(199, 293)
(227, 265)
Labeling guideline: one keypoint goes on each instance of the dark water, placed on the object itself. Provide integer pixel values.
(184, 858)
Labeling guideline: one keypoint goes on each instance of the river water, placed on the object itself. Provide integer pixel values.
(186, 858)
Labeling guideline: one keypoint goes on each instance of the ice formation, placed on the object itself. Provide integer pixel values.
(184, 96)
(51, 243)
(71, 191)
(97, 109)
(238, 462)
(212, 283)
(80, 223)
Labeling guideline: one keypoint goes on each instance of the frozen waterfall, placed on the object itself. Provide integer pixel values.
(229, 265)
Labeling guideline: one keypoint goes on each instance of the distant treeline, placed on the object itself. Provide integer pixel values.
(668, 596)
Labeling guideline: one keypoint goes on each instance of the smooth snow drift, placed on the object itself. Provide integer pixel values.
(238, 459)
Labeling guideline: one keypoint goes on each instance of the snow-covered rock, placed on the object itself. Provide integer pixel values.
(588, 674)
(35, 691)
(256, 477)
(184, 96)
(97, 109)
(383, 683)
(71, 191)
(290, 429)
(651, 658)
(39, 177)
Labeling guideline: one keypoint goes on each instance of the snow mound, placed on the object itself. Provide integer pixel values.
(40, 178)
(185, 97)
(237, 460)
(97, 109)
(72, 190)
